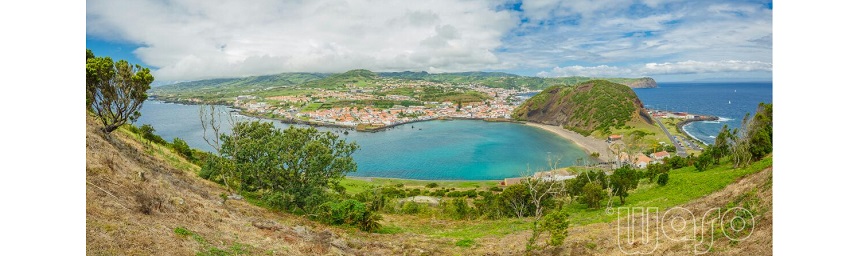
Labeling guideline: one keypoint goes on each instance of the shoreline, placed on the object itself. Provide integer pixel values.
(588, 144)
(691, 135)
(369, 179)
(681, 127)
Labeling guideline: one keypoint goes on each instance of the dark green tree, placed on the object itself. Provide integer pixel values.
(723, 141)
(676, 162)
(300, 163)
(115, 91)
(663, 179)
(517, 199)
(761, 131)
(592, 194)
(705, 159)
(653, 170)
(624, 179)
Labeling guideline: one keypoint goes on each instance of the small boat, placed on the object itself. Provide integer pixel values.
(730, 102)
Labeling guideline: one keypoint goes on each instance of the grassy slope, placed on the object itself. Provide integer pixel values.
(654, 133)
(686, 185)
(169, 210)
(115, 223)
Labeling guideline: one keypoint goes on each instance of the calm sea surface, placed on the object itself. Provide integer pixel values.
(458, 150)
(729, 101)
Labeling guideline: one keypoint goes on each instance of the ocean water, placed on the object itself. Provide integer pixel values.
(729, 101)
(433, 150)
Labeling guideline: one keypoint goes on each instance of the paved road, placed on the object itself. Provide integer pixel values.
(679, 149)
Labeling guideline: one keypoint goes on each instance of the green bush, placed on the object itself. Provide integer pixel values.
(460, 210)
(704, 161)
(592, 194)
(663, 178)
(556, 223)
(147, 132)
(182, 148)
(410, 207)
(431, 185)
(349, 212)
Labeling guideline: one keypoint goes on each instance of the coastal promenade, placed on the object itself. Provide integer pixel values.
(589, 144)
(680, 150)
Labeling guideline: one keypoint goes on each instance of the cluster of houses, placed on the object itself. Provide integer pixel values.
(495, 108)
(640, 161)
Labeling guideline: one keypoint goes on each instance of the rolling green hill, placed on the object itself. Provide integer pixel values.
(595, 105)
(505, 80)
(231, 87)
(357, 77)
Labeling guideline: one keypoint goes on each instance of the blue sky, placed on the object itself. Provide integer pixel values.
(667, 40)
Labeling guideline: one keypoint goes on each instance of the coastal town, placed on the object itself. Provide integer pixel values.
(322, 106)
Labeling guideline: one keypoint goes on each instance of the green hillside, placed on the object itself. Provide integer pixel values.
(357, 77)
(596, 105)
(231, 87)
(505, 80)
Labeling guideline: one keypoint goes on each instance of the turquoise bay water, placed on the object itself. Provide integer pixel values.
(433, 150)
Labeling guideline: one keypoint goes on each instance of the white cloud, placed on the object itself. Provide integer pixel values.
(189, 39)
(667, 68)
(193, 39)
(586, 34)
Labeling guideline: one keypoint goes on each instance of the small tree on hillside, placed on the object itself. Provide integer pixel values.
(541, 191)
(624, 179)
(705, 159)
(516, 198)
(592, 194)
(722, 142)
(115, 91)
(760, 131)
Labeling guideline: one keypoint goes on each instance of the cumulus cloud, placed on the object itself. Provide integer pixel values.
(194, 39)
(613, 32)
(667, 68)
(186, 39)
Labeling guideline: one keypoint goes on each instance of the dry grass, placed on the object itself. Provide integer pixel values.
(135, 200)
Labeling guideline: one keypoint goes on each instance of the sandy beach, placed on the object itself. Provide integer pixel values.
(589, 144)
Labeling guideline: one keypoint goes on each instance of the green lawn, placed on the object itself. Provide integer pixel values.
(312, 106)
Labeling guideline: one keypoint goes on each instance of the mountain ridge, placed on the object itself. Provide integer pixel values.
(329, 80)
